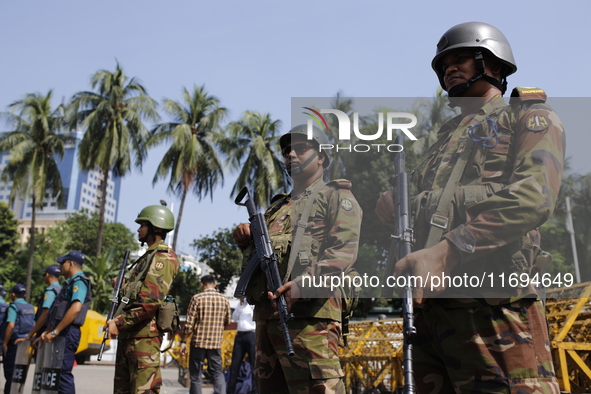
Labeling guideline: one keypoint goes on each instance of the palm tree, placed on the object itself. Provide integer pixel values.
(191, 160)
(252, 146)
(101, 271)
(33, 144)
(112, 119)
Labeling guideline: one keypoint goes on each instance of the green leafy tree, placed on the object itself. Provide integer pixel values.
(184, 287)
(8, 232)
(555, 238)
(113, 121)
(191, 162)
(253, 148)
(34, 143)
(101, 272)
(80, 231)
(221, 254)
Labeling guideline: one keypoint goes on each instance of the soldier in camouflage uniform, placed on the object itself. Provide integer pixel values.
(137, 368)
(510, 161)
(328, 247)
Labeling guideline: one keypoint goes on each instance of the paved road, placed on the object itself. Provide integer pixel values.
(98, 379)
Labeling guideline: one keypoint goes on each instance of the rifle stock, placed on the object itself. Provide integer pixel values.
(114, 303)
(401, 245)
(266, 259)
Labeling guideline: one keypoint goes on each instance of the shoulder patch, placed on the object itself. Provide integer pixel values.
(340, 184)
(521, 94)
(537, 123)
(75, 288)
(159, 265)
(346, 204)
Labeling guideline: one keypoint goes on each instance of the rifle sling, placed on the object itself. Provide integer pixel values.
(440, 219)
(301, 228)
(140, 277)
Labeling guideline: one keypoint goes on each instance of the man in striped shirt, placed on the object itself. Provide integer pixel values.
(208, 313)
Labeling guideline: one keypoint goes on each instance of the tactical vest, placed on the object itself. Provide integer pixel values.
(62, 303)
(55, 287)
(310, 248)
(25, 319)
(490, 162)
(130, 292)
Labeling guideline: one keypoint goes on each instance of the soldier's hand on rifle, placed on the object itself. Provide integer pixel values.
(183, 349)
(113, 329)
(242, 235)
(19, 340)
(385, 208)
(292, 294)
(427, 263)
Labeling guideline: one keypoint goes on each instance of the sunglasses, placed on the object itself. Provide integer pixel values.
(299, 149)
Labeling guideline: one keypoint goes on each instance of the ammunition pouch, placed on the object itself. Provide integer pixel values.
(168, 316)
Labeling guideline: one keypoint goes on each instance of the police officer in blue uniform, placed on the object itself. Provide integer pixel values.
(68, 313)
(20, 318)
(51, 278)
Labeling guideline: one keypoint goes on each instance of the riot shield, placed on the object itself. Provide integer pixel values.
(52, 365)
(21, 366)
(38, 367)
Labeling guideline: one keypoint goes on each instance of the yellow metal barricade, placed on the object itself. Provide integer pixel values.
(569, 317)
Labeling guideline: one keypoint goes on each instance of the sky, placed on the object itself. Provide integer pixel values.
(256, 55)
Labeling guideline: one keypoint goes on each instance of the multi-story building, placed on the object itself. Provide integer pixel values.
(81, 189)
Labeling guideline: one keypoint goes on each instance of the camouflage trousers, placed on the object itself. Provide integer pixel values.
(315, 367)
(137, 369)
(483, 348)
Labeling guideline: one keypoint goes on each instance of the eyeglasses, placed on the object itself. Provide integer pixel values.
(299, 149)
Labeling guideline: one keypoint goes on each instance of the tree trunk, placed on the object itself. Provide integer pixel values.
(99, 241)
(178, 219)
(31, 251)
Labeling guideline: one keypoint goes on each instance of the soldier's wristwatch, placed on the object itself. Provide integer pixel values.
(54, 332)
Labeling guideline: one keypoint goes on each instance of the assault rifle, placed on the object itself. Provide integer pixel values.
(114, 303)
(402, 241)
(266, 259)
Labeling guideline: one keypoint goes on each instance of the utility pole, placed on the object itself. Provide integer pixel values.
(571, 230)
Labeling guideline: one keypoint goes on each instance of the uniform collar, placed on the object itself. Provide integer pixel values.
(155, 245)
(79, 273)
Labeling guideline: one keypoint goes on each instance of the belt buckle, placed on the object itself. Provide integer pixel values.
(125, 300)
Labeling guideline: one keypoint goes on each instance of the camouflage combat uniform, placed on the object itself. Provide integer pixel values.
(137, 368)
(505, 193)
(329, 246)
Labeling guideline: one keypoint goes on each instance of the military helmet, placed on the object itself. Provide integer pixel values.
(475, 35)
(158, 216)
(317, 135)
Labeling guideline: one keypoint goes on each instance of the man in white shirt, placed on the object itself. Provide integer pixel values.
(243, 343)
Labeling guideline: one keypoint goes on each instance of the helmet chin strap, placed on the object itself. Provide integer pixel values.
(459, 90)
(151, 232)
(297, 170)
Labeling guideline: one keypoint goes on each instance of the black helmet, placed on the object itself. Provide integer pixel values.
(317, 135)
(477, 36)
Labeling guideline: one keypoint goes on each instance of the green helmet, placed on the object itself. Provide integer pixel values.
(317, 135)
(158, 216)
(479, 37)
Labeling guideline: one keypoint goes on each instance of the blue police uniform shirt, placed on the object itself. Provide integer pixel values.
(2, 301)
(11, 313)
(78, 291)
(49, 296)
